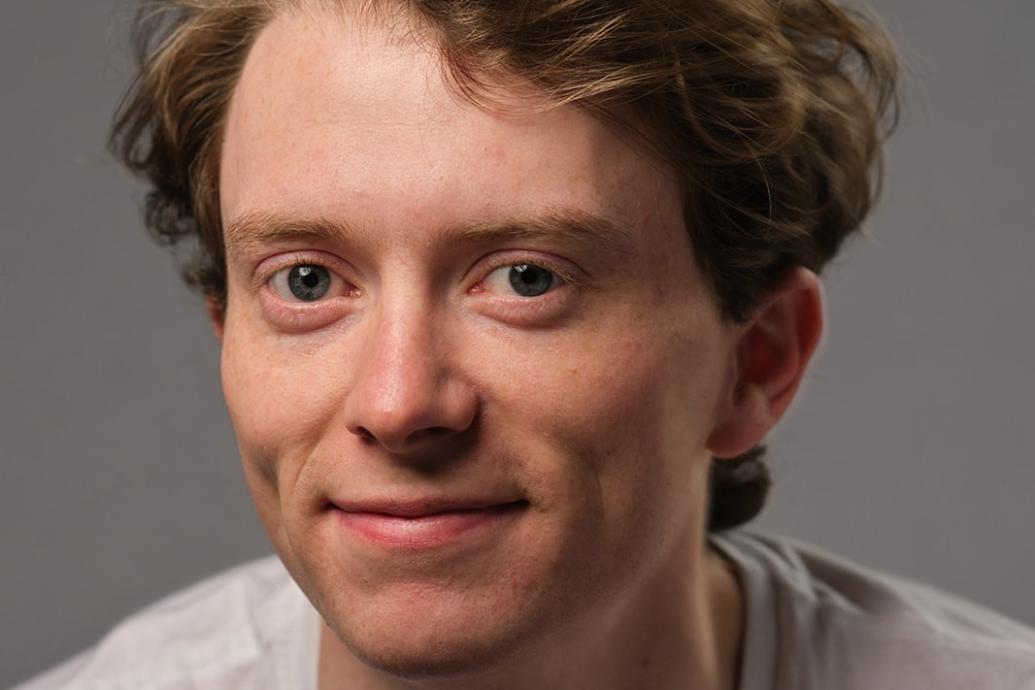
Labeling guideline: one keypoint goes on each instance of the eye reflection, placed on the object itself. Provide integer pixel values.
(530, 281)
(304, 282)
(527, 280)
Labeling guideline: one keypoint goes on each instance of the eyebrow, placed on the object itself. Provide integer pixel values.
(568, 226)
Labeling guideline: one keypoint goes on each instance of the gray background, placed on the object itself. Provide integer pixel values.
(910, 450)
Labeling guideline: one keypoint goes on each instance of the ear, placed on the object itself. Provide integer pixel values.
(216, 316)
(771, 352)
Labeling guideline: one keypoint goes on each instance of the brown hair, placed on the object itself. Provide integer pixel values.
(771, 112)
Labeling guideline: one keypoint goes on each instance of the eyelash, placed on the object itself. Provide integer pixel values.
(286, 263)
(565, 276)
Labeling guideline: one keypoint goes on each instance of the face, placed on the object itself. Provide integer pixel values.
(470, 362)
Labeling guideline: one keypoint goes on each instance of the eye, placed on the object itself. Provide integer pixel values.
(527, 280)
(305, 283)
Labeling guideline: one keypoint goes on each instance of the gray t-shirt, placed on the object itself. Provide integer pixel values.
(814, 622)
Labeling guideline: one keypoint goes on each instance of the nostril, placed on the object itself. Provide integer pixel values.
(415, 437)
(429, 433)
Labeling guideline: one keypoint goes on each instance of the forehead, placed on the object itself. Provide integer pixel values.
(339, 116)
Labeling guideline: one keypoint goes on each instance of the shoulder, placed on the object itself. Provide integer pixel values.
(199, 637)
(833, 620)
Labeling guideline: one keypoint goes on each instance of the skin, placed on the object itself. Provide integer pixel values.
(597, 405)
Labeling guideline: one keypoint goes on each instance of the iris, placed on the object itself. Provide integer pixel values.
(309, 283)
(530, 281)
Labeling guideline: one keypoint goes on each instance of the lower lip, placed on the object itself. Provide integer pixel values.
(428, 531)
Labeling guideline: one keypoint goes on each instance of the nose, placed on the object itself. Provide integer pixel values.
(406, 396)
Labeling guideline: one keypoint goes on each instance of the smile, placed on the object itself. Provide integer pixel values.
(425, 524)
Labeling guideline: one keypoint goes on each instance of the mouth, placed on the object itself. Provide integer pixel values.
(425, 523)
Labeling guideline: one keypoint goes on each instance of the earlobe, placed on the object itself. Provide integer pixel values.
(216, 316)
(771, 356)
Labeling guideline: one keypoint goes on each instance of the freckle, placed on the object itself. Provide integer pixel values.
(645, 662)
(495, 154)
(523, 584)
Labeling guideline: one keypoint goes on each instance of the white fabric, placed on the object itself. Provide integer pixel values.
(814, 622)
(249, 628)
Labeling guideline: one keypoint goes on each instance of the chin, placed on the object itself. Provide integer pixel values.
(442, 662)
(420, 644)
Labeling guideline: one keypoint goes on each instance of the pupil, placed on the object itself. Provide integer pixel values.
(309, 283)
(530, 281)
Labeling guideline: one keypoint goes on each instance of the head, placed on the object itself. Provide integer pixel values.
(554, 258)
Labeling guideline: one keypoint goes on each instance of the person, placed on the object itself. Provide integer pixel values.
(509, 296)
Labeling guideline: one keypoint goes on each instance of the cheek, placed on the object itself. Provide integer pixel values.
(278, 403)
(622, 417)
(620, 421)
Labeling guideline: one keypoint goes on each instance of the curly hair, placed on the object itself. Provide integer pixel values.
(771, 113)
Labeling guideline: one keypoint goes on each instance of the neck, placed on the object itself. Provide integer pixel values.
(683, 631)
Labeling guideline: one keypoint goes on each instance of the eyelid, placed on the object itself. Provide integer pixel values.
(268, 268)
(567, 275)
(280, 285)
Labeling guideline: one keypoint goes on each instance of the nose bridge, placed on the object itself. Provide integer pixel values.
(402, 365)
(401, 391)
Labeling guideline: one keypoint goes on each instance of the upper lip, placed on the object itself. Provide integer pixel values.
(421, 507)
